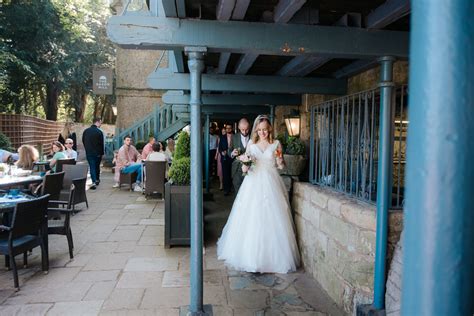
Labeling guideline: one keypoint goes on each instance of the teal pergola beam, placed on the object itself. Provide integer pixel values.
(179, 97)
(438, 259)
(254, 37)
(257, 84)
(215, 109)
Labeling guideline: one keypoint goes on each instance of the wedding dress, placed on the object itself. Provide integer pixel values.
(259, 235)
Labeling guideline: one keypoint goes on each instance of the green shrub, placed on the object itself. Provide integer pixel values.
(294, 146)
(183, 146)
(140, 144)
(5, 142)
(180, 171)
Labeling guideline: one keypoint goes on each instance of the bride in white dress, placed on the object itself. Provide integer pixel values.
(259, 235)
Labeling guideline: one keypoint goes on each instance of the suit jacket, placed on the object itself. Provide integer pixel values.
(236, 144)
(224, 146)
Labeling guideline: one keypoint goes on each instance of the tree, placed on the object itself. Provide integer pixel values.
(51, 47)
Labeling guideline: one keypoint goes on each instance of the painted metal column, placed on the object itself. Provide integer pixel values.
(383, 178)
(438, 274)
(272, 114)
(206, 151)
(196, 66)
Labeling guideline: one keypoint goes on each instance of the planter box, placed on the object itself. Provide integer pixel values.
(177, 215)
(295, 165)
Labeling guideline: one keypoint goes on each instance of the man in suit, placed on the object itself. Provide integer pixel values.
(225, 150)
(239, 145)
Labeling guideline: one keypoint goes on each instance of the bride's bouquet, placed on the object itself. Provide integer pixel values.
(247, 161)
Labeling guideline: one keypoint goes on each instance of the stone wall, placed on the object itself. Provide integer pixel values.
(394, 282)
(135, 99)
(336, 236)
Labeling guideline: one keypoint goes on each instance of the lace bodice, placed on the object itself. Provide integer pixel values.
(265, 158)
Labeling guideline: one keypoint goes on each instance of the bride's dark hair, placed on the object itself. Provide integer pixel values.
(258, 120)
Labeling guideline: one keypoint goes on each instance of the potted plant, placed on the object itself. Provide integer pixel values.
(177, 195)
(293, 154)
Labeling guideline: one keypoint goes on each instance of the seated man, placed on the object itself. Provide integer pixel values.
(128, 161)
(148, 149)
(70, 153)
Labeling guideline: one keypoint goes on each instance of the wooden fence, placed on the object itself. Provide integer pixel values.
(26, 129)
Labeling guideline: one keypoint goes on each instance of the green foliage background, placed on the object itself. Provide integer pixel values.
(183, 146)
(5, 142)
(180, 170)
(47, 52)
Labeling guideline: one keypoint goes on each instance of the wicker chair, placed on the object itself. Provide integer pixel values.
(59, 219)
(155, 177)
(77, 175)
(27, 231)
(61, 162)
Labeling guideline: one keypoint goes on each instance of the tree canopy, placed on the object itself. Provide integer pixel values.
(48, 49)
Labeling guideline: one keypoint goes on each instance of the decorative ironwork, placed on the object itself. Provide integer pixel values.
(344, 144)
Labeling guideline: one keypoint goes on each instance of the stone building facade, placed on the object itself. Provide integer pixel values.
(135, 99)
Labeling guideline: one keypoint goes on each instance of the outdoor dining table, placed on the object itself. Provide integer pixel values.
(13, 181)
(7, 205)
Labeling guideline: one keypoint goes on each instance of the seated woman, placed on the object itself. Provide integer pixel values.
(58, 150)
(70, 153)
(28, 155)
(157, 154)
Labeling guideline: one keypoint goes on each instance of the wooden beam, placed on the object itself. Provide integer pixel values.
(262, 38)
(176, 59)
(181, 8)
(384, 15)
(387, 13)
(355, 68)
(301, 66)
(284, 11)
(169, 7)
(240, 9)
(257, 84)
(224, 9)
(179, 97)
(235, 109)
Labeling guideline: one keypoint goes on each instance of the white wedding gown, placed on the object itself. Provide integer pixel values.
(259, 235)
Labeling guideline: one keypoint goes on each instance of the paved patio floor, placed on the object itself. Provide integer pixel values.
(121, 268)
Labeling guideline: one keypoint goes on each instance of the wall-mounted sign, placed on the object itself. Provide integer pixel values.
(102, 80)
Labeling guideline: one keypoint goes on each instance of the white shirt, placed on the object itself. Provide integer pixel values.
(244, 140)
(156, 156)
(71, 153)
(213, 142)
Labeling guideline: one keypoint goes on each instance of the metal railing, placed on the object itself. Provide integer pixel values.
(344, 144)
(163, 122)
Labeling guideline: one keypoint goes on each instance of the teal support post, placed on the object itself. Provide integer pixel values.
(272, 114)
(383, 179)
(196, 66)
(438, 273)
(206, 152)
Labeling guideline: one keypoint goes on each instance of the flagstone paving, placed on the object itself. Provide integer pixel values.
(121, 267)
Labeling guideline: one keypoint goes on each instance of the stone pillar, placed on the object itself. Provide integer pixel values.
(438, 262)
(196, 66)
